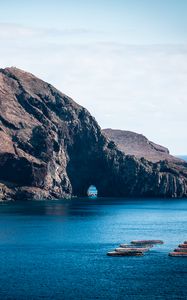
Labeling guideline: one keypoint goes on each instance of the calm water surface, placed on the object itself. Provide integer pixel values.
(57, 249)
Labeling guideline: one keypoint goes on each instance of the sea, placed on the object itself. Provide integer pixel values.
(57, 249)
(184, 157)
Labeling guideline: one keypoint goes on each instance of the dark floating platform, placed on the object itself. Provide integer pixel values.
(128, 253)
(178, 254)
(133, 249)
(180, 250)
(135, 246)
(183, 246)
(147, 242)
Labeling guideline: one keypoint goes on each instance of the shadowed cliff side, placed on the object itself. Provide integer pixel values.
(51, 147)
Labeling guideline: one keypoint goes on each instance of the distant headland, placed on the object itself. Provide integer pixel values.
(51, 147)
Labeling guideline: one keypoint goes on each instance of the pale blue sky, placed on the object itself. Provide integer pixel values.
(126, 61)
(131, 21)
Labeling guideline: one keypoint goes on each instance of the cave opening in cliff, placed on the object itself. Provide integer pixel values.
(92, 191)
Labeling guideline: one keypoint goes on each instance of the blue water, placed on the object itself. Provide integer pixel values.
(57, 249)
(183, 157)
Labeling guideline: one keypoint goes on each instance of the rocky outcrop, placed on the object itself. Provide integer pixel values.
(138, 145)
(51, 147)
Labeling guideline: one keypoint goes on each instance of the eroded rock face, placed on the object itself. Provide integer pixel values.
(138, 145)
(51, 147)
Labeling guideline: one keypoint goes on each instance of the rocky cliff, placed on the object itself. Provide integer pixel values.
(51, 147)
(138, 145)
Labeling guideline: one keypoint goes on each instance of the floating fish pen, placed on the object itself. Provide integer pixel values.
(136, 248)
(92, 192)
(117, 253)
(131, 249)
(147, 242)
(181, 251)
(183, 246)
(178, 254)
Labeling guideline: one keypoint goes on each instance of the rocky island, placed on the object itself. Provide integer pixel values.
(51, 147)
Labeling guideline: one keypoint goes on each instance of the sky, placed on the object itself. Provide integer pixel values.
(124, 60)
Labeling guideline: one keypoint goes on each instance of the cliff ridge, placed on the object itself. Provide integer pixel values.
(51, 147)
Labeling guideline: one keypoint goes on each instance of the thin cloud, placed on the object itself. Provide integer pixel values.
(135, 87)
(15, 31)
